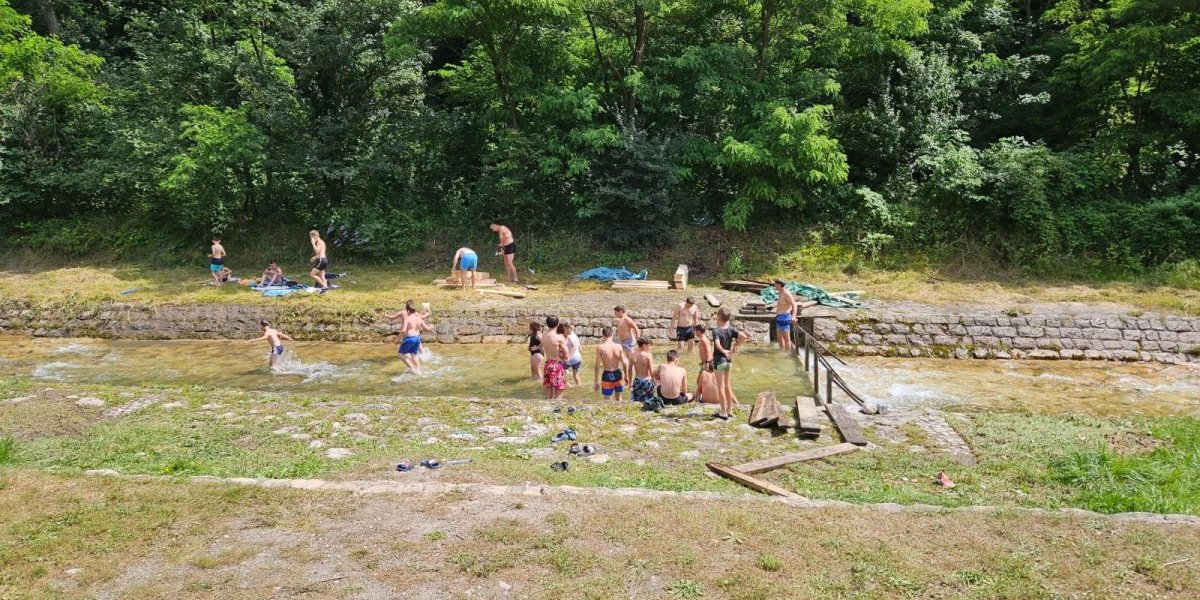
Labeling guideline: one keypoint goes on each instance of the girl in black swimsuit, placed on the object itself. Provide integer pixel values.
(535, 351)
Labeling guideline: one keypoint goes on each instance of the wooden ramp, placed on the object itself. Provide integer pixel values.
(808, 417)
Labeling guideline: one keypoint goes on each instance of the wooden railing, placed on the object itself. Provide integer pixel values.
(816, 357)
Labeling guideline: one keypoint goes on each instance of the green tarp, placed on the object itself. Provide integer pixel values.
(812, 292)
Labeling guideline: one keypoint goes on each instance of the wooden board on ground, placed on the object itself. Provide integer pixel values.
(681, 277)
(744, 285)
(641, 284)
(768, 464)
(712, 300)
(846, 425)
(808, 418)
(765, 412)
(753, 483)
(509, 293)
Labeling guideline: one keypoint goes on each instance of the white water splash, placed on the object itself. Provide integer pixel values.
(52, 370)
(72, 348)
(290, 364)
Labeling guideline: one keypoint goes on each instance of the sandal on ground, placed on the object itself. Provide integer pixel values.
(430, 463)
(587, 450)
(560, 466)
(404, 466)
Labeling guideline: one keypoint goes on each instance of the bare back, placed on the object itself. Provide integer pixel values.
(672, 378)
(706, 348)
(218, 251)
(414, 324)
(506, 236)
(786, 303)
(610, 356)
(643, 363)
(555, 346)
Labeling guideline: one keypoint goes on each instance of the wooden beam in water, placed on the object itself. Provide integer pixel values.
(753, 483)
(768, 464)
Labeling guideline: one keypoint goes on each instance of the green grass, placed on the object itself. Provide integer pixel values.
(8, 450)
(1163, 480)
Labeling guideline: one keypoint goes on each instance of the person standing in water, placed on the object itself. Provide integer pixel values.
(554, 372)
(216, 260)
(536, 356)
(643, 380)
(273, 340)
(414, 324)
(627, 334)
(507, 248)
(465, 260)
(785, 315)
(574, 352)
(320, 258)
(726, 341)
(683, 321)
(611, 358)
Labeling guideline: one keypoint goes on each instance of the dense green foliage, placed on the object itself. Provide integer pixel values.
(1034, 130)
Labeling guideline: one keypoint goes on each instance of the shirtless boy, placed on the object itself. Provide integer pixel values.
(216, 260)
(507, 248)
(643, 369)
(414, 324)
(321, 259)
(706, 385)
(627, 333)
(273, 340)
(672, 381)
(554, 372)
(611, 357)
(465, 260)
(683, 321)
(785, 315)
(272, 275)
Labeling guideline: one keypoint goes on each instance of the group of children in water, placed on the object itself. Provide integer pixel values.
(627, 362)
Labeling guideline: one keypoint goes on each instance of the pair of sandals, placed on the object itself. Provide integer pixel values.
(570, 410)
(429, 463)
(565, 435)
(581, 451)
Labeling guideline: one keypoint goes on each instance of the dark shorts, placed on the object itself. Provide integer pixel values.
(322, 264)
(674, 401)
(411, 345)
(685, 334)
(612, 382)
(509, 249)
(277, 350)
(783, 322)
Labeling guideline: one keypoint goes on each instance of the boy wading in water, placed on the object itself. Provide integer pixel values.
(628, 334)
(554, 372)
(410, 346)
(507, 248)
(216, 260)
(320, 258)
(785, 315)
(465, 260)
(574, 351)
(643, 367)
(536, 356)
(273, 340)
(611, 357)
(672, 381)
(684, 321)
(726, 341)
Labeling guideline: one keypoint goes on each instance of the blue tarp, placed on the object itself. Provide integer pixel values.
(610, 274)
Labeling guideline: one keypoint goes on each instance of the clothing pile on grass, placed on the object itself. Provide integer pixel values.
(610, 274)
(845, 300)
(288, 287)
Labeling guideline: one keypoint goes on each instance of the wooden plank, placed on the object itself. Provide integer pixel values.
(509, 293)
(712, 300)
(756, 411)
(753, 483)
(743, 285)
(768, 464)
(681, 277)
(641, 285)
(845, 424)
(808, 418)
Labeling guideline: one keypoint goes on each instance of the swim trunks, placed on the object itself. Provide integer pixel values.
(575, 365)
(685, 334)
(629, 344)
(681, 399)
(783, 322)
(720, 362)
(643, 389)
(411, 345)
(323, 264)
(510, 249)
(277, 350)
(215, 264)
(612, 382)
(554, 375)
(469, 261)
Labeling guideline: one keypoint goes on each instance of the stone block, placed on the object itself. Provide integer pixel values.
(1007, 332)
(1049, 343)
(1126, 355)
(1030, 331)
(1023, 343)
(956, 329)
(1071, 354)
(1044, 354)
(1132, 335)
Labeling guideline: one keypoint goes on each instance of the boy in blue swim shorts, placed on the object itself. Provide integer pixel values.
(410, 345)
(785, 314)
(465, 260)
(273, 339)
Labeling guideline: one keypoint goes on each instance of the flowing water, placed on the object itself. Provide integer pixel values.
(1092, 387)
(452, 370)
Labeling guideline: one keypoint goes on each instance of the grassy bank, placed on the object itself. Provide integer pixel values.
(1051, 461)
(712, 256)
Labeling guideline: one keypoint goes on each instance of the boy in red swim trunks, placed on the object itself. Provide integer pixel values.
(554, 345)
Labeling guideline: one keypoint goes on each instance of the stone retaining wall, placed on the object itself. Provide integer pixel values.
(902, 331)
(1126, 338)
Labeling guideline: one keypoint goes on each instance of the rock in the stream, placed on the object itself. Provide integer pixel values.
(90, 401)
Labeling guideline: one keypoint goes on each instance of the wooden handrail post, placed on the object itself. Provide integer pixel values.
(829, 384)
(816, 380)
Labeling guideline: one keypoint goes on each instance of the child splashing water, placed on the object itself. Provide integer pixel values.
(273, 340)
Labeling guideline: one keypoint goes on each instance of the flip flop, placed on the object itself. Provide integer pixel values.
(557, 409)
(560, 436)
(587, 450)
(430, 463)
(404, 466)
(560, 466)
(574, 449)
(570, 410)
(570, 433)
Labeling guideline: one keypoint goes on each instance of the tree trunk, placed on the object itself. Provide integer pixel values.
(637, 49)
(502, 82)
(49, 17)
(764, 44)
